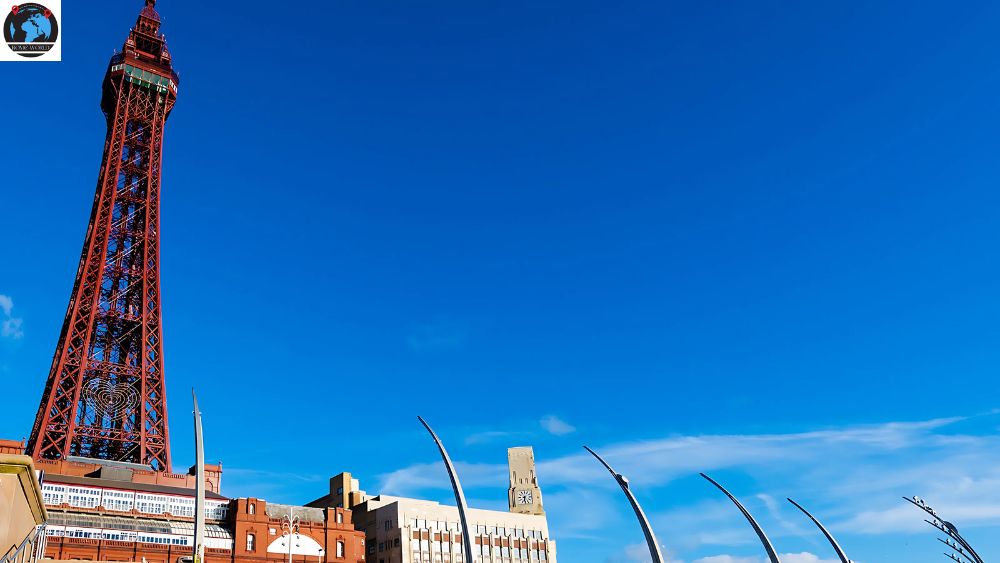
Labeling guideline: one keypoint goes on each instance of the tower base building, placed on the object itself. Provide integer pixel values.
(106, 511)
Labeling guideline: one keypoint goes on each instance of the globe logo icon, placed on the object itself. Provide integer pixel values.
(30, 29)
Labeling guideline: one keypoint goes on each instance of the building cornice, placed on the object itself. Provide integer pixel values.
(22, 466)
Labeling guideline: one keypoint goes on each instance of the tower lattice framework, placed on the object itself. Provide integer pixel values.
(104, 397)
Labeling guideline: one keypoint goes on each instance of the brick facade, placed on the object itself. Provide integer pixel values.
(84, 523)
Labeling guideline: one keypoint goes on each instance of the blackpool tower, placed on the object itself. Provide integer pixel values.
(104, 396)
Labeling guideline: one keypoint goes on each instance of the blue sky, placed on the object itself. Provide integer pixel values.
(755, 239)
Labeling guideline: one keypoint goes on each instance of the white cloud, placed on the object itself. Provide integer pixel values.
(412, 480)
(638, 552)
(10, 326)
(488, 436)
(556, 426)
(852, 478)
(436, 336)
(728, 559)
(804, 557)
(657, 462)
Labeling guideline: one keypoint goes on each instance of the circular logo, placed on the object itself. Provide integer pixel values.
(30, 29)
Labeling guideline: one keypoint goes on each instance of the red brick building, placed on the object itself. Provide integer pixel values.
(106, 511)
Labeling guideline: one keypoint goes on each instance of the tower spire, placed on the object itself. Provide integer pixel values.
(149, 19)
(105, 396)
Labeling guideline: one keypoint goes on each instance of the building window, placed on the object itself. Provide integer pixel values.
(251, 541)
(340, 517)
(252, 508)
(340, 549)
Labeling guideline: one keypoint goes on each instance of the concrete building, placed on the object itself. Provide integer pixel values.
(22, 512)
(406, 530)
(524, 495)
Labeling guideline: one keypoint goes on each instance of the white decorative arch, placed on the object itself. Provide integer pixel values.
(301, 545)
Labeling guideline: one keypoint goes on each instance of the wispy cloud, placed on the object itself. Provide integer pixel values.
(421, 477)
(803, 557)
(10, 326)
(436, 336)
(852, 477)
(657, 462)
(276, 486)
(639, 553)
(488, 436)
(556, 426)
(261, 475)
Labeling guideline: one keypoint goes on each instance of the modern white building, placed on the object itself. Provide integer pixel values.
(406, 530)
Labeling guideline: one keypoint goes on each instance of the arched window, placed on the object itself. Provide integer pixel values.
(251, 542)
(340, 549)
(252, 508)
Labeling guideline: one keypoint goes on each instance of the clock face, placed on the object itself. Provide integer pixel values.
(524, 497)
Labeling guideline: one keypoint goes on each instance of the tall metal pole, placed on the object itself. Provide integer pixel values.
(760, 532)
(654, 547)
(829, 536)
(459, 495)
(199, 475)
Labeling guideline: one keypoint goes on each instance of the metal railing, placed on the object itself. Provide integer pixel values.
(30, 549)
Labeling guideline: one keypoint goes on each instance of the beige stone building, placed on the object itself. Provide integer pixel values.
(524, 495)
(22, 511)
(406, 530)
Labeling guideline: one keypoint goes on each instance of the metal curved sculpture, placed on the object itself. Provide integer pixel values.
(459, 494)
(654, 547)
(771, 554)
(962, 552)
(198, 554)
(829, 536)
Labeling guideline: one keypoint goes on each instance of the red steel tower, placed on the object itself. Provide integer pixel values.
(104, 397)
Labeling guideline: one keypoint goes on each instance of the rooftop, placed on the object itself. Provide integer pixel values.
(127, 486)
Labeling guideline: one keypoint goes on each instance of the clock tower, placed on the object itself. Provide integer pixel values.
(524, 495)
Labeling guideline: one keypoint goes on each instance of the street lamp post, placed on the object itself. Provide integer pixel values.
(654, 547)
(829, 536)
(771, 554)
(290, 530)
(961, 552)
(459, 494)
